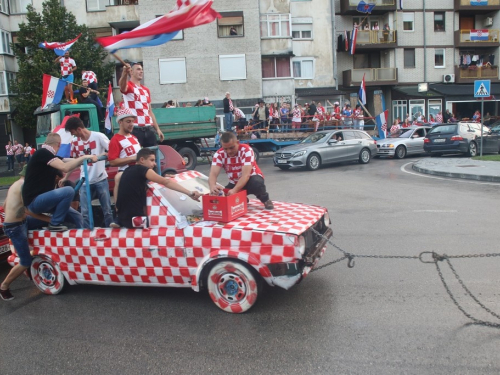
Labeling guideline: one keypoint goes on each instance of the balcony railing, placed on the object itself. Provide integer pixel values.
(470, 36)
(464, 74)
(376, 37)
(373, 76)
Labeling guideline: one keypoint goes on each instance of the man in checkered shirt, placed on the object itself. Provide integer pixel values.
(238, 160)
(90, 143)
(137, 98)
(68, 66)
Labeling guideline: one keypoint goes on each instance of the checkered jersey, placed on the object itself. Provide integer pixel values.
(10, 149)
(19, 149)
(439, 118)
(138, 98)
(97, 144)
(89, 76)
(233, 165)
(66, 65)
(122, 147)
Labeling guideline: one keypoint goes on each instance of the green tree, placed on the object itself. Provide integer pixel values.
(54, 24)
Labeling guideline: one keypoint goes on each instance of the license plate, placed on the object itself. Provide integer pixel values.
(440, 140)
(282, 161)
(4, 249)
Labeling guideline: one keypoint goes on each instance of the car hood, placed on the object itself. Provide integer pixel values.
(297, 147)
(391, 140)
(291, 218)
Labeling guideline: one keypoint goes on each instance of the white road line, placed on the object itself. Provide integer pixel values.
(445, 179)
(437, 211)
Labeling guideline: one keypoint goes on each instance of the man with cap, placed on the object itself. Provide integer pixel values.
(124, 146)
(228, 112)
(137, 98)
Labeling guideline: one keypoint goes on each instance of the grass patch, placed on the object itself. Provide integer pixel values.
(487, 157)
(7, 181)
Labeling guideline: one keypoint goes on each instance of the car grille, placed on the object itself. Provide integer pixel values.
(284, 155)
(313, 239)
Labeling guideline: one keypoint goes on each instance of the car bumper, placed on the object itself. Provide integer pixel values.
(291, 162)
(385, 151)
(461, 147)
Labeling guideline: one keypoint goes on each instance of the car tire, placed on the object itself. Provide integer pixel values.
(400, 152)
(283, 168)
(313, 162)
(472, 149)
(189, 157)
(365, 156)
(256, 154)
(377, 156)
(47, 275)
(168, 171)
(232, 286)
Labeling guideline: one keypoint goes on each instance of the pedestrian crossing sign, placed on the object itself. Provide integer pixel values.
(482, 88)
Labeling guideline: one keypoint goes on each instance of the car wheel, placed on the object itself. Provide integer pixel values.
(365, 156)
(256, 154)
(189, 157)
(400, 152)
(283, 168)
(47, 275)
(233, 286)
(472, 149)
(168, 171)
(313, 162)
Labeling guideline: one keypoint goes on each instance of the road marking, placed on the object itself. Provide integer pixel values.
(437, 211)
(445, 179)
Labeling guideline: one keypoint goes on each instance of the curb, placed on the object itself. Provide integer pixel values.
(464, 176)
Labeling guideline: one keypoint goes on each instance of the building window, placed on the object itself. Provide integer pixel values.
(6, 42)
(179, 36)
(303, 68)
(276, 67)
(19, 6)
(232, 67)
(96, 5)
(434, 106)
(439, 21)
(399, 110)
(3, 6)
(172, 70)
(5, 79)
(302, 28)
(275, 25)
(417, 106)
(408, 21)
(409, 56)
(230, 25)
(439, 58)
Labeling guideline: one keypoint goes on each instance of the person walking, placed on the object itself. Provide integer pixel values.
(19, 152)
(10, 156)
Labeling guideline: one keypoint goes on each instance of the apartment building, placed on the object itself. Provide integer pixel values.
(427, 58)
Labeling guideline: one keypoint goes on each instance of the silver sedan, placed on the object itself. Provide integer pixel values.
(407, 141)
(326, 147)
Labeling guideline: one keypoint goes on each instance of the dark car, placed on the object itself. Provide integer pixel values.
(461, 137)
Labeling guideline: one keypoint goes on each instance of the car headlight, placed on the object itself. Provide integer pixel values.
(299, 153)
(326, 220)
(390, 145)
(302, 245)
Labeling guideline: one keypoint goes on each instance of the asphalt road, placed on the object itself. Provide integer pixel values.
(384, 316)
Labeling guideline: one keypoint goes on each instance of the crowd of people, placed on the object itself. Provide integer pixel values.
(18, 153)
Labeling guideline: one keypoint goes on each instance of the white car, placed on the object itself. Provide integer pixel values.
(407, 141)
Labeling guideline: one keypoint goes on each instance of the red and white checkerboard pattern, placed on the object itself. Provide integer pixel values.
(66, 65)
(165, 255)
(122, 147)
(89, 76)
(233, 165)
(138, 98)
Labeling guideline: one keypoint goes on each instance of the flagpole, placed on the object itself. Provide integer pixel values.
(91, 90)
(359, 101)
(119, 58)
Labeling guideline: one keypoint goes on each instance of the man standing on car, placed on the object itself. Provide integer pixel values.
(238, 160)
(228, 112)
(91, 143)
(131, 202)
(68, 66)
(137, 98)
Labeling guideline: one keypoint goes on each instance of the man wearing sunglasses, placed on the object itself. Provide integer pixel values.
(137, 98)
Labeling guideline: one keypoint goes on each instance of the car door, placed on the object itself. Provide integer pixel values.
(331, 151)
(353, 146)
(416, 142)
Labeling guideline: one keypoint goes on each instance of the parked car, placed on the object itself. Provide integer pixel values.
(407, 141)
(461, 137)
(326, 147)
(180, 249)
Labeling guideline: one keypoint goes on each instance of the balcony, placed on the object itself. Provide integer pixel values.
(348, 7)
(373, 76)
(276, 46)
(464, 38)
(470, 74)
(376, 39)
(465, 5)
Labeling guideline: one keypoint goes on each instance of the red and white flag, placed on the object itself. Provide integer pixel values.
(59, 47)
(53, 90)
(110, 108)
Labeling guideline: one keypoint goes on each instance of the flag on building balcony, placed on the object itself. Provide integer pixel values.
(381, 121)
(346, 38)
(478, 2)
(479, 34)
(110, 109)
(353, 40)
(362, 91)
(58, 47)
(186, 14)
(365, 7)
(52, 90)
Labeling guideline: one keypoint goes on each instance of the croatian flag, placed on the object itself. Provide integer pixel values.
(353, 40)
(53, 90)
(362, 91)
(381, 121)
(346, 40)
(365, 7)
(478, 2)
(186, 14)
(110, 109)
(66, 138)
(58, 47)
(479, 34)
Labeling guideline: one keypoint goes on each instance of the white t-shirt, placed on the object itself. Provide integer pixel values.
(97, 144)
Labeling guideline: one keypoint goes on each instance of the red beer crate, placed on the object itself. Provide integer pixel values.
(225, 209)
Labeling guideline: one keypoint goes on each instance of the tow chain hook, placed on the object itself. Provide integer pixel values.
(350, 261)
(435, 257)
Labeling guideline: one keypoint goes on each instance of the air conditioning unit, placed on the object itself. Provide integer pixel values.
(449, 78)
(488, 21)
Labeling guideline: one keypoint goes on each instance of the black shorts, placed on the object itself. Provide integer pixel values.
(146, 135)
